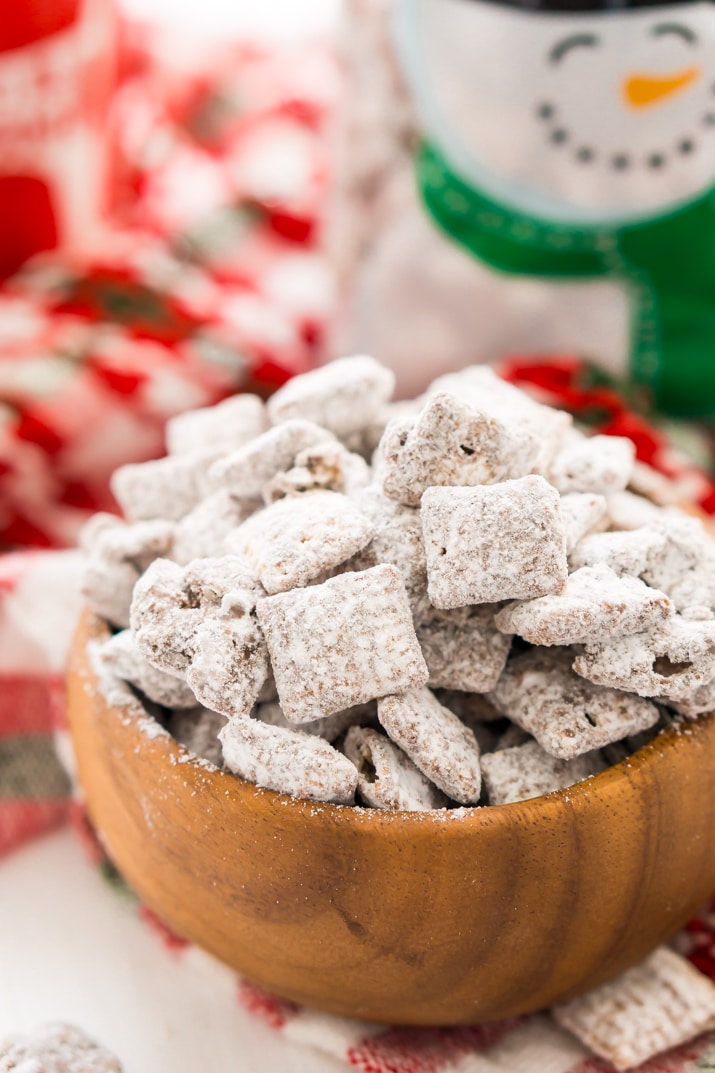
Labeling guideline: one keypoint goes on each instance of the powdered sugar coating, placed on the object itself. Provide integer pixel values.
(341, 643)
(199, 622)
(450, 443)
(56, 1048)
(397, 540)
(593, 464)
(295, 540)
(684, 565)
(581, 512)
(225, 427)
(289, 761)
(567, 715)
(500, 542)
(117, 554)
(230, 662)
(329, 466)
(436, 741)
(595, 605)
(698, 703)
(343, 396)
(481, 388)
(200, 534)
(246, 472)
(632, 552)
(626, 510)
(525, 771)
(120, 655)
(463, 648)
(672, 661)
(659, 1004)
(166, 488)
(387, 778)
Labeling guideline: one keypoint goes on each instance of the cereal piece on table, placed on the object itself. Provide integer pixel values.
(246, 472)
(117, 554)
(329, 728)
(341, 643)
(436, 741)
(593, 464)
(120, 655)
(288, 761)
(684, 566)
(480, 387)
(631, 552)
(472, 708)
(672, 661)
(581, 513)
(342, 396)
(200, 533)
(199, 622)
(56, 1048)
(295, 540)
(165, 488)
(661, 1003)
(397, 540)
(197, 729)
(228, 425)
(626, 510)
(595, 605)
(498, 542)
(463, 648)
(450, 443)
(526, 771)
(328, 466)
(387, 778)
(567, 715)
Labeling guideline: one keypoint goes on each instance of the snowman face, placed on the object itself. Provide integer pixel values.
(592, 117)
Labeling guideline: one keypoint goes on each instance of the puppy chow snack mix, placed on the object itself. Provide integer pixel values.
(56, 1048)
(657, 1005)
(451, 600)
(497, 542)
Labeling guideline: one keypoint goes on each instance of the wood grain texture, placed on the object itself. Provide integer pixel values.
(439, 918)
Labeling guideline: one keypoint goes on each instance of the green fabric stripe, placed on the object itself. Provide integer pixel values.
(29, 769)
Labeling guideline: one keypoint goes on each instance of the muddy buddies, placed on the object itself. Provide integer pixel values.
(456, 600)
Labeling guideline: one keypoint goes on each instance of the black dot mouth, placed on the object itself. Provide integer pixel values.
(560, 137)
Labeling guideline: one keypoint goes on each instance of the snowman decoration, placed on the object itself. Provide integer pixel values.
(576, 140)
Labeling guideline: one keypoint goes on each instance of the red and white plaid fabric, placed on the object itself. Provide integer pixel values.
(206, 279)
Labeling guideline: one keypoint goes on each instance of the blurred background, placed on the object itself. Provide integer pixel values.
(274, 20)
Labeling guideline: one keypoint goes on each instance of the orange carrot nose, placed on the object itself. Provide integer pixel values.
(641, 91)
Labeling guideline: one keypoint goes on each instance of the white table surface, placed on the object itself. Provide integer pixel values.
(73, 949)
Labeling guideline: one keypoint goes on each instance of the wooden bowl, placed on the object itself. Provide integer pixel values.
(437, 918)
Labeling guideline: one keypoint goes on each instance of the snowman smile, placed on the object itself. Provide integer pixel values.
(560, 137)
